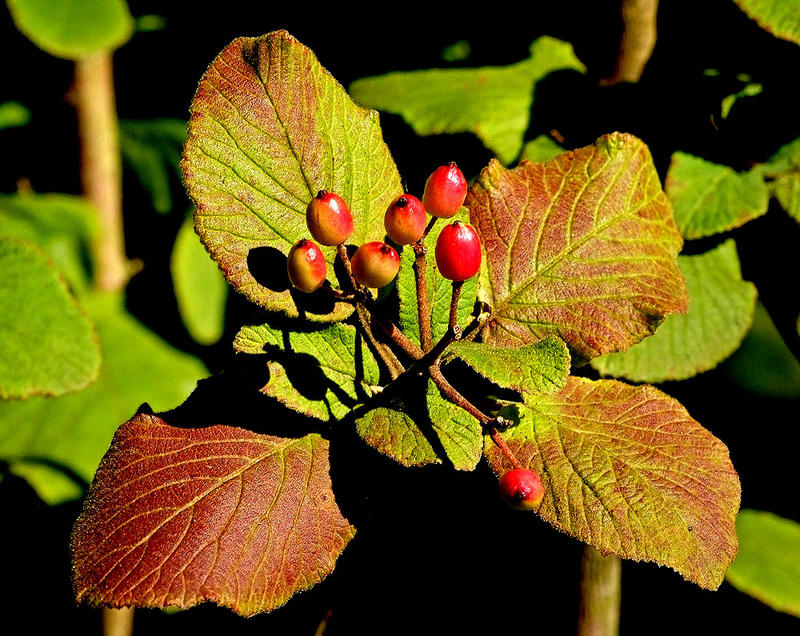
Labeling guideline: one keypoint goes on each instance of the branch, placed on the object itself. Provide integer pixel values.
(600, 594)
(637, 41)
(423, 307)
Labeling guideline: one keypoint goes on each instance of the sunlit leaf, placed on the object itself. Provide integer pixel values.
(782, 172)
(628, 471)
(582, 246)
(270, 128)
(460, 434)
(178, 516)
(13, 115)
(47, 344)
(493, 102)
(779, 17)
(708, 198)
(721, 307)
(768, 564)
(73, 28)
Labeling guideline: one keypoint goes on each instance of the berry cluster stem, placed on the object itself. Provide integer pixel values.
(423, 309)
(453, 322)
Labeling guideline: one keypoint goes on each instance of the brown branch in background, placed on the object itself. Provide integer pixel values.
(118, 622)
(101, 171)
(600, 594)
(637, 41)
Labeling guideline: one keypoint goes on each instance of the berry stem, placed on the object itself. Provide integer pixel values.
(341, 252)
(423, 309)
(453, 322)
(501, 444)
(429, 227)
(600, 594)
(384, 352)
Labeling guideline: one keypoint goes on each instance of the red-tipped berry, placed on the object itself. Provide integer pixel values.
(375, 264)
(306, 266)
(458, 251)
(522, 489)
(405, 220)
(445, 191)
(329, 219)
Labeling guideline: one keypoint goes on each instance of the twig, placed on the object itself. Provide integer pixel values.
(600, 594)
(423, 306)
(637, 41)
(118, 622)
(453, 322)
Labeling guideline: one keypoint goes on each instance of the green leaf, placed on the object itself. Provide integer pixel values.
(152, 149)
(47, 345)
(779, 17)
(73, 28)
(628, 471)
(542, 367)
(493, 102)
(322, 374)
(440, 289)
(540, 149)
(63, 226)
(270, 128)
(768, 564)
(460, 434)
(582, 247)
(782, 172)
(720, 312)
(74, 430)
(13, 115)
(750, 89)
(200, 288)
(709, 198)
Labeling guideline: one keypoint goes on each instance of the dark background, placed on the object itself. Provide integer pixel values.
(436, 551)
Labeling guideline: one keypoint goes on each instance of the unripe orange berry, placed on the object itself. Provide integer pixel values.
(375, 264)
(306, 266)
(405, 220)
(329, 219)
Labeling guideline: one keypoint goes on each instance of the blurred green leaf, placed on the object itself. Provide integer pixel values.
(493, 102)
(47, 345)
(749, 90)
(150, 22)
(540, 149)
(13, 115)
(779, 17)
(75, 430)
(73, 28)
(768, 564)
(456, 52)
(200, 288)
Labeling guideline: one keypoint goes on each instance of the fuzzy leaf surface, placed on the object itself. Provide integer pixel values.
(322, 374)
(768, 564)
(721, 307)
(500, 97)
(628, 471)
(47, 344)
(460, 434)
(709, 198)
(179, 516)
(270, 127)
(782, 172)
(779, 17)
(582, 246)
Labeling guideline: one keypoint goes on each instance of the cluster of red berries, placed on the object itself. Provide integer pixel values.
(375, 264)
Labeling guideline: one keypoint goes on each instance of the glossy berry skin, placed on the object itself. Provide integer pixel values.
(329, 219)
(522, 489)
(405, 220)
(445, 191)
(375, 264)
(306, 266)
(458, 251)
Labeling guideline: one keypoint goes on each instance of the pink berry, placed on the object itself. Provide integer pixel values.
(306, 266)
(375, 264)
(458, 251)
(405, 220)
(329, 219)
(522, 489)
(445, 191)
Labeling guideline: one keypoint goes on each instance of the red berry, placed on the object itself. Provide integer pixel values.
(522, 489)
(458, 251)
(329, 219)
(375, 264)
(445, 191)
(306, 266)
(405, 220)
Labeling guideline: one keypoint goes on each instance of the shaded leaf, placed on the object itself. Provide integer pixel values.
(779, 17)
(200, 288)
(499, 99)
(541, 149)
(768, 564)
(74, 430)
(460, 434)
(269, 128)
(582, 247)
(721, 307)
(750, 89)
(13, 115)
(73, 28)
(179, 516)
(322, 374)
(47, 345)
(782, 172)
(628, 471)
(708, 198)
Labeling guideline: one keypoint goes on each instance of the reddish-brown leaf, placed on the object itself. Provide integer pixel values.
(178, 516)
(582, 246)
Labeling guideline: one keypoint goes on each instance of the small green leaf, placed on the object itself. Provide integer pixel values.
(749, 90)
(73, 28)
(540, 149)
(494, 102)
(708, 198)
(782, 172)
(47, 345)
(721, 307)
(542, 367)
(13, 115)
(768, 564)
(460, 434)
(322, 374)
(200, 288)
(779, 17)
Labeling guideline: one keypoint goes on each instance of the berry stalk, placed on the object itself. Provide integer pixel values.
(423, 306)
